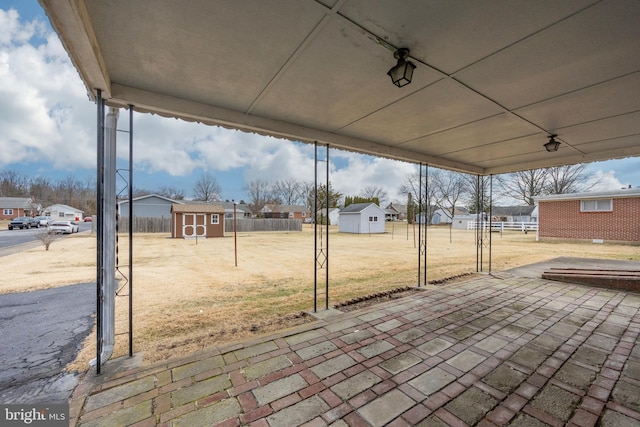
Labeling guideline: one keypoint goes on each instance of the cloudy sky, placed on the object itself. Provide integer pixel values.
(47, 128)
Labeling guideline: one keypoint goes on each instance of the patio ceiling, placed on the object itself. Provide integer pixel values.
(493, 78)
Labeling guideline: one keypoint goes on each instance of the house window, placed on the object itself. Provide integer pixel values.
(597, 205)
(61, 214)
(7, 212)
(290, 214)
(373, 219)
(215, 219)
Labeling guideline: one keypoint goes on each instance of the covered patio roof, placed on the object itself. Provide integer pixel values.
(493, 79)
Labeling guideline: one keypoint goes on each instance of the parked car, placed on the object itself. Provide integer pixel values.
(63, 227)
(88, 219)
(23, 222)
(44, 221)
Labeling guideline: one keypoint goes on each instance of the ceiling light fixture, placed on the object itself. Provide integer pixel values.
(552, 145)
(403, 71)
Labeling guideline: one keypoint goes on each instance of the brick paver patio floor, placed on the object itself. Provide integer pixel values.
(493, 351)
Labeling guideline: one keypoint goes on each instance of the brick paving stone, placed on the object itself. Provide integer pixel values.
(386, 407)
(632, 370)
(432, 381)
(299, 413)
(432, 421)
(209, 415)
(260, 369)
(471, 406)
(303, 337)
(616, 419)
(333, 366)
(279, 389)
(316, 350)
(528, 358)
(118, 393)
(375, 349)
(191, 369)
(602, 341)
(357, 336)
(505, 378)
(409, 335)
(556, 402)
(462, 333)
(466, 360)
(389, 325)
(255, 350)
(491, 344)
(575, 375)
(626, 394)
(199, 390)
(126, 416)
(434, 346)
(512, 331)
(400, 363)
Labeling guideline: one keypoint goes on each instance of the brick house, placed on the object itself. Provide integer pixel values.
(285, 211)
(612, 216)
(13, 207)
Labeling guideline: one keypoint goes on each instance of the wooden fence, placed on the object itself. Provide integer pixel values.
(163, 225)
(244, 225)
(145, 225)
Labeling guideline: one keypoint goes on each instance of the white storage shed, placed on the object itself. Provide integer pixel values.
(361, 218)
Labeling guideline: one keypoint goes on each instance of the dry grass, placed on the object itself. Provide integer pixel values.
(189, 295)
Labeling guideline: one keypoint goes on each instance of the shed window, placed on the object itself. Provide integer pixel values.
(7, 211)
(373, 219)
(215, 219)
(597, 205)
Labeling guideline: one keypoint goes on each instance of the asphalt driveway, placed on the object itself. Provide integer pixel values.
(41, 332)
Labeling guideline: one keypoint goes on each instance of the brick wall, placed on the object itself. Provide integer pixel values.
(563, 219)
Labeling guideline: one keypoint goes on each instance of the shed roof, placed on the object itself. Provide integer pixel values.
(196, 208)
(358, 207)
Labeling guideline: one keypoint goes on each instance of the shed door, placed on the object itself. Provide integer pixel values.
(194, 225)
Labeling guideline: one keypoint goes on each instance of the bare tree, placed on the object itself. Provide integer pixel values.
(260, 194)
(13, 184)
(371, 192)
(287, 191)
(306, 190)
(478, 195)
(46, 238)
(450, 187)
(429, 194)
(569, 179)
(524, 185)
(207, 188)
(170, 192)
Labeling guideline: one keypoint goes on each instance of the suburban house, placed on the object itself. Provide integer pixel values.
(13, 207)
(285, 211)
(63, 212)
(197, 220)
(444, 216)
(612, 216)
(242, 210)
(334, 215)
(148, 206)
(513, 213)
(396, 212)
(362, 218)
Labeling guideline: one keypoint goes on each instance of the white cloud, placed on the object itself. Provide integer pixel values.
(42, 100)
(605, 181)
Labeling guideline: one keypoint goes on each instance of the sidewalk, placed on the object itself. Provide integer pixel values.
(498, 350)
